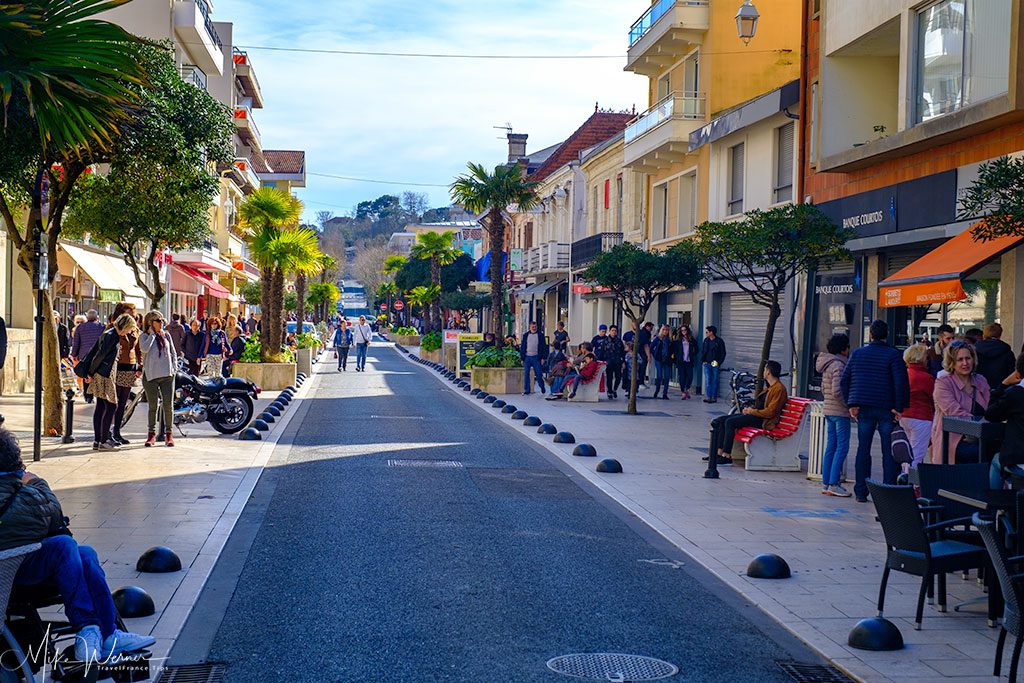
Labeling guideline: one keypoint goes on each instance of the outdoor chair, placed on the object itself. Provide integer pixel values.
(1012, 585)
(15, 660)
(969, 478)
(910, 546)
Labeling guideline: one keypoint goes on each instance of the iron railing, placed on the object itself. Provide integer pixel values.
(190, 73)
(204, 9)
(586, 250)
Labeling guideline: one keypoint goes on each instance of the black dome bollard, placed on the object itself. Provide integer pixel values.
(466, 387)
(547, 428)
(277, 404)
(490, 399)
(132, 602)
(301, 376)
(283, 400)
(482, 395)
(250, 434)
(260, 425)
(509, 408)
(585, 450)
(609, 466)
(768, 566)
(498, 404)
(520, 415)
(267, 417)
(532, 421)
(158, 560)
(290, 389)
(876, 634)
(565, 437)
(474, 391)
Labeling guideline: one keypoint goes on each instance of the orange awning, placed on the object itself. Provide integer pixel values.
(935, 278)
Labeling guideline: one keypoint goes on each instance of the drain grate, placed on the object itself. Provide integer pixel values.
(814, 673)
(442, 464)
(193, 673)
(612, 666)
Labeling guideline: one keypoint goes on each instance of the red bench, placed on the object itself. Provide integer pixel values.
(778, 449)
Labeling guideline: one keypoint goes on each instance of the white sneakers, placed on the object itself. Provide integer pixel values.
(124, 641)
(89, 644)
(91, 647)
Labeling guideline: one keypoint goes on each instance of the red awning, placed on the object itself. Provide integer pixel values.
(214, 288)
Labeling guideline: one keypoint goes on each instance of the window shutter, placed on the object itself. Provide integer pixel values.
(607, 193)
(736, 180)
(784, 164)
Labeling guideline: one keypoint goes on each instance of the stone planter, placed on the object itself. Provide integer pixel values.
(498, 380)
(267, 376)
(450, 353)
(406, 340)
(304, 361)
(433, 356)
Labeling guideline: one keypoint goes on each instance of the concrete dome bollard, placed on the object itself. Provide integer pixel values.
(585, 450)
(259, 424)
(768, 566)
(520, 415)
(609, 466)
(267, 417)
(133, 603)
(532, 421)
(250, 434)
(547, 428)
(875, 634)
(565, 437)
(158, 560)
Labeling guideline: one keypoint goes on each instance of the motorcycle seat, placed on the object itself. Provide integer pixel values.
(210, 382)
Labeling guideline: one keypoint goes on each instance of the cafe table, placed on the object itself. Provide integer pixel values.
(987, 433)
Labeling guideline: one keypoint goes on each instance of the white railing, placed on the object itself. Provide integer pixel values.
(679, 105)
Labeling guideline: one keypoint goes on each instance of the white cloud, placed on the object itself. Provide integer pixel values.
(421, 120)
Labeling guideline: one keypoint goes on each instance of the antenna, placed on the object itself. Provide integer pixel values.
(507, 128)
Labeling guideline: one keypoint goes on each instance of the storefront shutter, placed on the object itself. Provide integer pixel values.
(784, 165)
(742, 328)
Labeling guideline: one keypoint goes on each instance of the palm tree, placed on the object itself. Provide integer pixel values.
(423, 295)
(393, 264)
(323, 295)
(387, 292)
(482, 192)
(437, 248)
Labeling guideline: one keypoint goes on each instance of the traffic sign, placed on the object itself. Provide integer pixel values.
(399, 305)
(383, 307)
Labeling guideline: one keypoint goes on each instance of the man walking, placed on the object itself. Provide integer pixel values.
(361, 335)
(712, 355)
(876, 388)
(86, 336)
(944, 336)
(534, 351)
(176, 331)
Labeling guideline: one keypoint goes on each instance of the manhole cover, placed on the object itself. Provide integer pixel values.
(612, 666)
(444, 464)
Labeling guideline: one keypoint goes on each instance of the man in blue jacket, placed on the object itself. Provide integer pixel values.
(876, 388)
(534, 351)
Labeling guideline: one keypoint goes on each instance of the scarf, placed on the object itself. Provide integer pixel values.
(161, 343)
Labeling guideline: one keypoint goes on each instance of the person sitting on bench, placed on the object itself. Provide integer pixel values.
(766, 413)
(31, 513)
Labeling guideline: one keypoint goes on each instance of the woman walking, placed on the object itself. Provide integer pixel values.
(961, 392)
(100, 374)
(159, 362)
(217, 348)
(686, 355)
(342, 342)
(129, 370)
(837, 415)
(917, 418)
(661, 351)
(194, 346)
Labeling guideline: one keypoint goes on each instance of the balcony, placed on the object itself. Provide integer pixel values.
(245, 177)
(586, 250)
(195, 31)
(246, 128)
(664, 33)
(193, 75)
(247, 77)
(660, 136)
(551, 257)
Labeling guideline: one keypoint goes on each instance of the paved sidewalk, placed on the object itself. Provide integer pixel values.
(833, 545)
(123, 502)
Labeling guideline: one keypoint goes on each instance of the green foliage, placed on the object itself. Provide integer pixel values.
(431, 342)
(997, 195)
(457, 275)
(393, 264)
(479, 191)
(465, 302)
(307, 340)
(251, 293)
(406, 331)
(254, 352)
(493, 357)
(321, 293)
(637, 277)
(424, 295)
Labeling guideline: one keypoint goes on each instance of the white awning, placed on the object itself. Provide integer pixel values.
(108, 271)
(538, 289)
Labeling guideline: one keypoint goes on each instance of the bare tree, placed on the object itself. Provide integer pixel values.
(415, 203)
(368, 266)
(322, 217)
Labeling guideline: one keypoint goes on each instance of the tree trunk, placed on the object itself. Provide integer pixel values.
(496, 232)
(774, 311)
(300, 301)
(266, 290)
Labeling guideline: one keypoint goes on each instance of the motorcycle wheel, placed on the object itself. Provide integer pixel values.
(234, 416)
(134, 399)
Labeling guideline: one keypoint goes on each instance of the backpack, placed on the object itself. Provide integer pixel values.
(902, 452)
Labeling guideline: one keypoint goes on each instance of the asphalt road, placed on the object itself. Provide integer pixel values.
(351, 569)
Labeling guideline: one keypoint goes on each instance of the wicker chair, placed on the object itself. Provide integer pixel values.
(10, 561)
(1012, 585)
(910, 547)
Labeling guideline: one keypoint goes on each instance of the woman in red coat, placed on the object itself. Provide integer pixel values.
(917, 418)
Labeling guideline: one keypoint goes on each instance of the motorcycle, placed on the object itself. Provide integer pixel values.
(743, 385)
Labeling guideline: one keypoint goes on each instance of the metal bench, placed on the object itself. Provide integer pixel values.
(778, 450)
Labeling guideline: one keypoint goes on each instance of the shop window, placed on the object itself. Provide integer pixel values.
(784, 163)
(963, 51)
(736, 160)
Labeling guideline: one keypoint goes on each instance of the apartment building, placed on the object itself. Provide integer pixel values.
(903, 101)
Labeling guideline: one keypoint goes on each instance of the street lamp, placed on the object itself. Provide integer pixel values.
(746, 22)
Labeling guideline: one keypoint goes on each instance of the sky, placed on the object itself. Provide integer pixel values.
(421, 120)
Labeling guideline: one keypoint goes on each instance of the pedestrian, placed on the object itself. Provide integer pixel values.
(177, 333)
(837, 415)
(961, 392)
(361, 335)
(944, 336)
(712, 355)
(773, 397)
(876, 388)
(643, 346)
(558, 368)
(1006, 404)
(76, 321)
(342, 341)
(236, 347)
(63, 336)
(99, 371)
(216, 347)
(85, 337)
(615, 358)
(252, 325)
(974, 335)
(661, 354)
(533, 349)
(560, 334)
(995, 357)
(627, 382)
(486, 342)
(586, 369)
(917, 418)
(129, 370)
(159, 364)
(194, 346)
(685, 357)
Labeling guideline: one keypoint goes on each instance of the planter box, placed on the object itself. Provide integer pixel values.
(304, 361)
(267, 376)
(498, 380)
(407, 340)
(432, 356)
(450, 352)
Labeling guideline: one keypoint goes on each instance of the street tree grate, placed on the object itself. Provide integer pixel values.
(439, 464)
(612, 666)
(814, 673)
(193, 673)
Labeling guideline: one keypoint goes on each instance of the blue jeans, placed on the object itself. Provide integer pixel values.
(361, 355)
(685, 375)
(837, 446)
(342, 352)
(538, 373)
(76, 571)
(711, 381)
(662, 375)
(869, 420)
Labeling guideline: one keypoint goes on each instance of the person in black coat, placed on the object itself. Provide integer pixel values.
(1006, 404)
(63, 336)
(996, 360)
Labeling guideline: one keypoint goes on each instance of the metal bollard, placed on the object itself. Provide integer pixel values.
(712, 471)
(69, 417)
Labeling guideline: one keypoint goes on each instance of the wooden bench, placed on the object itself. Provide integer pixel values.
(778, 450)
(590, 392)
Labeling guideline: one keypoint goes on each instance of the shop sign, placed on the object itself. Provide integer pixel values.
(452, 336)
(110, 295)
(515, 259)
(922, 294)
(909, 205)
